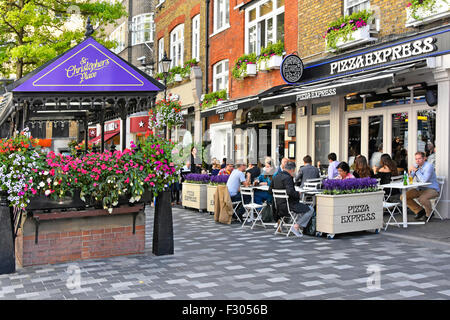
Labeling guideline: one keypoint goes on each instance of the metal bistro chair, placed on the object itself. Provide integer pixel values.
(235, 205)
(435, 201)
(281, 194)
(390, 207)
(313, 186)
(252, 209)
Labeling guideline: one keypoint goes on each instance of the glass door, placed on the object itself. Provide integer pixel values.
(321, 142)
(280, 129)
(354, 139)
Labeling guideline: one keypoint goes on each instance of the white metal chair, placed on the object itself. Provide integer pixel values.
(441, 181)
(396, 178)
(281, 194)
(313, 186)
(235, 205)
(252, 209)
(390, 207)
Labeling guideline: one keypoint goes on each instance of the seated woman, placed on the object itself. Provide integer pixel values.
(264, 179)
(362, 169)
(385, 172)
(215, 168)
(344, 171)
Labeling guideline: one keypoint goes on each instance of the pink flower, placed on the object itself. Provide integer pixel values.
(127, 180)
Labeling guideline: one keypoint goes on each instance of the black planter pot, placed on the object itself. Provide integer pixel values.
(43, 202)
(7, 254)
(163, 225)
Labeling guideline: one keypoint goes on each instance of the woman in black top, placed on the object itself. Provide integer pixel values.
(362, 169)
(385, 172)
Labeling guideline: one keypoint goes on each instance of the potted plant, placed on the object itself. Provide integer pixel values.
(244, 66)
(271, 56)
(213, 98)
(194, 191)
(349, 31)
(177, 71)
(166, 113)
(211, 190)
(424, 11)
(349, 205)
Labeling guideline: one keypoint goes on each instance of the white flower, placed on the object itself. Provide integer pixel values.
(49, 180)
(115, 203)
(45, 173)
(138, 198)
(110, 210)
(132, 200)
(47, 192)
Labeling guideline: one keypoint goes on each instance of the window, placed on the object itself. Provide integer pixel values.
(220, 75)
(221, 14)
(142, 29)
(60, 130)
(196, 37)
(351, 6)
(118, 35)
(160, 54)
(177, 45)
(264, 24)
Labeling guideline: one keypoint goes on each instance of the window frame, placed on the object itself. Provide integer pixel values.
(180, 41)
(160, 53)
(225, 5)
(276, 11)
(224, 75)
(347, 6)
(135, 31)
(117, 32)
(195, 45)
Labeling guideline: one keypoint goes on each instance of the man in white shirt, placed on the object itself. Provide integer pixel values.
(234, 184)
(332, 167)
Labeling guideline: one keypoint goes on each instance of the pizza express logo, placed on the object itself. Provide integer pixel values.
(86, 70)
(292, 69)
(399, 52)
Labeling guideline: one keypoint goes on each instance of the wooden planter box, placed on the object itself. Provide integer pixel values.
(349, 212)
(194, 196)
(440, 10)
(211, 191)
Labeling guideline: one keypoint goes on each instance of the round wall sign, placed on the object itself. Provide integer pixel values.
(291, 69)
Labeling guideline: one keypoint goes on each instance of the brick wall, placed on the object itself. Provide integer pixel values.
(79, 239)
(221, 48)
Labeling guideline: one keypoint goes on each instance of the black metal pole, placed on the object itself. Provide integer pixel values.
(102, 130)
(7, 254)
(124, 132)
(86, 135)
(163, 225)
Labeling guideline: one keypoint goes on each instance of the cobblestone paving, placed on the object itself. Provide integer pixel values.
(215, 261)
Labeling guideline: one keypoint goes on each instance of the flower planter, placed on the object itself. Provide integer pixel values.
(43, 202)
(251, 70)
(275, 62)
(440, 10)
(357, 37)
(211, 191)
(349, 212)
(194, 196)
(178, 77)
(263, 65)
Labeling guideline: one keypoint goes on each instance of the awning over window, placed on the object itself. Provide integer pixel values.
(108, 136)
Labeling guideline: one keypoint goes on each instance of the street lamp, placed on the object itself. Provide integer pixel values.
(165, 66)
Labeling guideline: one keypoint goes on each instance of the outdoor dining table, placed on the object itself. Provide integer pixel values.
(399, 185)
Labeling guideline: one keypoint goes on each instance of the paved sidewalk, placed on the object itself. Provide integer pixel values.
(215, 261)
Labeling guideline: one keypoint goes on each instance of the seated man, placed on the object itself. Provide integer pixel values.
(237, 177)
(307, 171)
(285, 181)
(424, 172)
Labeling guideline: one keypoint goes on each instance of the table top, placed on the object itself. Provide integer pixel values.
(263, 188)
(399, 185)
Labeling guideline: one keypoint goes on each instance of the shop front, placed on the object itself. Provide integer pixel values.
(390, 98)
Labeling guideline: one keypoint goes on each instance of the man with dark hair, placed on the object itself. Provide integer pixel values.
(424, 172)
(254, 171)
(284, 180)
(332, 167)
(307, 171)
(224, 163)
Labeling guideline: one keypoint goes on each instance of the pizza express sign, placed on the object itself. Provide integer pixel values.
(413, 48)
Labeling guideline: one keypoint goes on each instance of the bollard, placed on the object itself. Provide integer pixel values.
(7, 255)
(163, 225)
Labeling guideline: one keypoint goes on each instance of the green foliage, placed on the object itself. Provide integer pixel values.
(273, 49)
(33, 32)
(343, 27)
(240, 65)
(210, 99)
(423, 5)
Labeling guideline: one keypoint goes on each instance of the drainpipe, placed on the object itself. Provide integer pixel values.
(207, 48)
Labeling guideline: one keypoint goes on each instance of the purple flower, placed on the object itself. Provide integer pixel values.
(219, 179)
(197, 178)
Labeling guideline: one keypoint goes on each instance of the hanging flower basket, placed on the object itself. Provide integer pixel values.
(244, 66)
(425, 11)
(166, 113)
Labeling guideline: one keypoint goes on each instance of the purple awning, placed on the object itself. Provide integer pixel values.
(88, 67)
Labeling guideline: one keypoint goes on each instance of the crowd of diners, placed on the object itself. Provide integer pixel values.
(286, 177)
